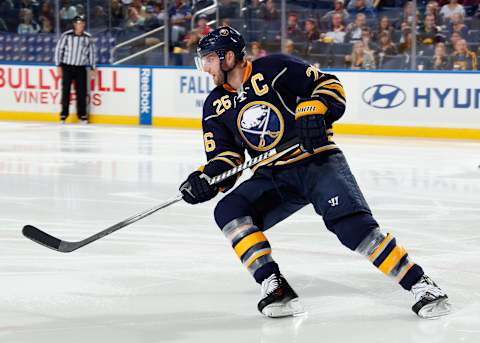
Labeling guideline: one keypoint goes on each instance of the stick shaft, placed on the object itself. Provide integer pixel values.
(54, 243)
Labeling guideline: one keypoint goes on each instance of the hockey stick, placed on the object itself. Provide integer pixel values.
(57, 244)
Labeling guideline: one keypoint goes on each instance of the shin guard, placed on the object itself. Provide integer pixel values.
(390, 258)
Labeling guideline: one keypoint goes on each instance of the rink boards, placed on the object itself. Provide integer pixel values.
(423, 104)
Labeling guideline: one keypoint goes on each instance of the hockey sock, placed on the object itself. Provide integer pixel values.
(390, 258)
(252, 247)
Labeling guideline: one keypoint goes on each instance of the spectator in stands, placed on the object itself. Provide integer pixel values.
(290, 48)
(360, 58)
(99, 19)
(139, 6)
(362, 7)
(27, 24)
(339, 8)
(202, 25)
(67, 11)
(449, 9)
(462, 58)
(199, 31)
(256, 51)
(160, 12)
(32, 5)
(135, 20)
(351, 4)
(457, 24)
(46, 25)
(269, 11)
(227, 9)
(454, 38)
(117, 14)
(47, 11)
(354, 30)
(311, 31)
(336, 32)
(405, 45)
(191, 42)
(428, 34)
(407, 14)
(252, 9)
(180, 15)
(368, 45)
(434, 9)
(151, 21)
(80, 9)
(293, 30)
(440, 60)
(385, 45)
(384, 26)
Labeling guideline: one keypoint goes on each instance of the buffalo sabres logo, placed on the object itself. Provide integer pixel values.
(261, 125)
(223, 32)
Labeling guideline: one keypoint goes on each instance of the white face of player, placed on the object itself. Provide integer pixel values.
(211, 64)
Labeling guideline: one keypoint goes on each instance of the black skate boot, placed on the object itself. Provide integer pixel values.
(278, 298)
(430, 300)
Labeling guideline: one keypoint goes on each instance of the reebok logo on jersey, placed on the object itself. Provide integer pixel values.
(333, 201)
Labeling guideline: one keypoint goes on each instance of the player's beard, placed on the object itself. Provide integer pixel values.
(219, 79)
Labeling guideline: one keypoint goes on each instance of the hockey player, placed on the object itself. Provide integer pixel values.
(256, 106)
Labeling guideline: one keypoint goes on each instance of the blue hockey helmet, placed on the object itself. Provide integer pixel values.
(220, 41)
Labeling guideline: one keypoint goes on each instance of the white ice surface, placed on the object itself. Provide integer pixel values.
(172, 277)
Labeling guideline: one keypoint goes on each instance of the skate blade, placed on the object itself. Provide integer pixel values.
(435, 309)
(292, 308)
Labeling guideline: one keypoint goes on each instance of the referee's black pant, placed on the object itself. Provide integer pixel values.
(79, 75)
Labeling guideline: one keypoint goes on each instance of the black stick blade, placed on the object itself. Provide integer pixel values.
(37, 235)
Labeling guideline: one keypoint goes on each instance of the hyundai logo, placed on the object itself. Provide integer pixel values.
(384, 96)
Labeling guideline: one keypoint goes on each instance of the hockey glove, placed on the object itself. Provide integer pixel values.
(310, 124)
(196, 188)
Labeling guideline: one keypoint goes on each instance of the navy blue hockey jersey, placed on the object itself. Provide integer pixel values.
(261, 114)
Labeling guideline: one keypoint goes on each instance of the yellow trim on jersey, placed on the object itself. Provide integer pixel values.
(392, 259)
(337, 87)
(380, 248)
(323, 83)
(248, 242)
(306, 154)
(310, 107)
(233, 154)
(296, 159)
(330, 93)
(256, 256)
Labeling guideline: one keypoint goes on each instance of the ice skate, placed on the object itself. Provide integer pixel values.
(430, 300)
(278, 298)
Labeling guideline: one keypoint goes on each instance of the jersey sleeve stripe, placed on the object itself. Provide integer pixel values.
(332, 94)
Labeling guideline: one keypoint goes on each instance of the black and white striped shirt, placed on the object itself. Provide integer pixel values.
(75, 50)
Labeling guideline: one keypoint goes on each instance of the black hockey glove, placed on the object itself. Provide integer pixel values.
(196, 189)
(310, 124)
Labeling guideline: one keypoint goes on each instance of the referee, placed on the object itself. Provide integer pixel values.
(75, 51)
